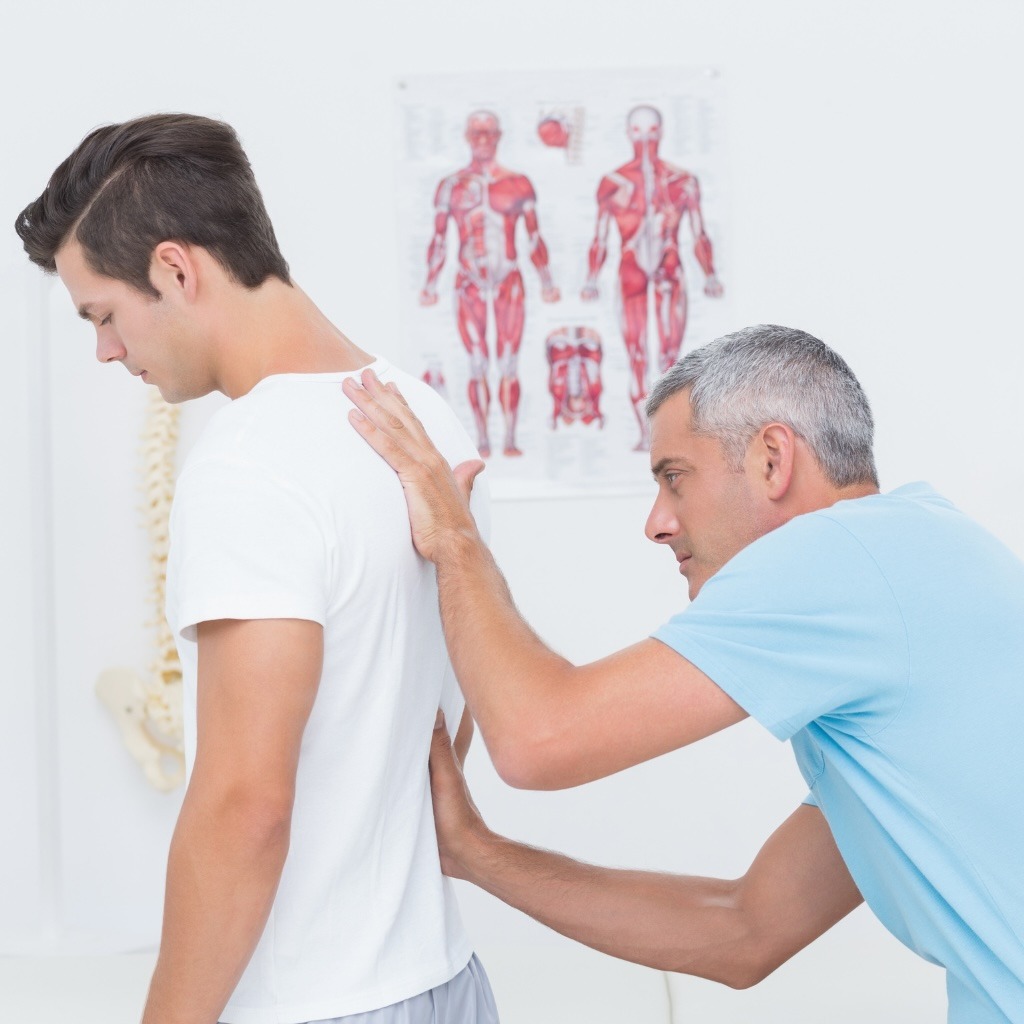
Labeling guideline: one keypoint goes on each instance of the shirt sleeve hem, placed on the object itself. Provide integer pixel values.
(248, 607)
(691, 649)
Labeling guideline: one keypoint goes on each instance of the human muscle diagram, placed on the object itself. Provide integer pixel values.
(550, 276)
(648, 199)
(486, 201)
(574, 356)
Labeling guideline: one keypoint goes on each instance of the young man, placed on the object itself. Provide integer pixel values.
(882, 633)
(303, 879)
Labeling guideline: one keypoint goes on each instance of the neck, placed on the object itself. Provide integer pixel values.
(276, 328)
(483, 165)
(816, 494)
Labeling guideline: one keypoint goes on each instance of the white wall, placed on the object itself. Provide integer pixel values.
(876, 202)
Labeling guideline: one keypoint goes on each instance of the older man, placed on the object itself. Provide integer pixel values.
(883, 634)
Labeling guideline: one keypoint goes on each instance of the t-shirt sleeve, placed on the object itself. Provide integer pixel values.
(799, 625)
(245, 544)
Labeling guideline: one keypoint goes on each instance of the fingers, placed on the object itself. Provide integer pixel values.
(441, 756)
(384, 406)
(466, 474)
(384, 419)
(382, 443)
(393, 388)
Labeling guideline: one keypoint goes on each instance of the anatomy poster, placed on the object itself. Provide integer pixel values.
(563, 239)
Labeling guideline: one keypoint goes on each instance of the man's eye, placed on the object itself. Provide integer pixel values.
(106, 320)
(671, 478)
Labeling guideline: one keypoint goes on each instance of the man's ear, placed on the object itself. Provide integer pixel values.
(173, 268)
(775, 446)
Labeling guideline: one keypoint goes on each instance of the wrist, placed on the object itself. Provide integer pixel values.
(457, 545)
(479, 854)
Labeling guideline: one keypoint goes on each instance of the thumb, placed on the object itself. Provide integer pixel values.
(466, 474)
(440, 742)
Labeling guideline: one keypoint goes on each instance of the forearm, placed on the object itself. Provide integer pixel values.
(595, 258)
(223, 869)
(676, 923)
(704, 252)
(510, 678)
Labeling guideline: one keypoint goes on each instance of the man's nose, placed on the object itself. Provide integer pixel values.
(109, 348)
(662, 524)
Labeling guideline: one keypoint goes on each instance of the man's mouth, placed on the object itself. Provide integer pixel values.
(683, 561)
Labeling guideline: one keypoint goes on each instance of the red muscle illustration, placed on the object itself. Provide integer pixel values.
(434, 376)
(486, 202)
(648, 198)
(574, 380)
(554, 131)
(563, 129)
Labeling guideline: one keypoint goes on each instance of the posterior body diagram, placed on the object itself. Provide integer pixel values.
(648, 199)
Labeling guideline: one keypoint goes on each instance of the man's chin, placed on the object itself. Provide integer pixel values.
(176, 395)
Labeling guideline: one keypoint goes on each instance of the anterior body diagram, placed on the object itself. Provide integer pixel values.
(648, 199)
(487, 202)
(574, 378)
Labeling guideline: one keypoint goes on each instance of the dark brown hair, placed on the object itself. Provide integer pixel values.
(165, 177)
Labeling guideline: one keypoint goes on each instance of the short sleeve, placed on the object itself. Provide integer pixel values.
(798, 626)
(244, 544)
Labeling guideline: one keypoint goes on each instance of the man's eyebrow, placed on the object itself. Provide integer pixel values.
(662, 464)
(85, 311)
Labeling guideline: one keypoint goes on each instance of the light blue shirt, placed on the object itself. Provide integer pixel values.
(884, 636)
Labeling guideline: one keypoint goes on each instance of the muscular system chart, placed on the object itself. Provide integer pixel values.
(563, 239)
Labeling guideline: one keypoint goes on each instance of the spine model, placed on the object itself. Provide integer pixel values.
(148, 711)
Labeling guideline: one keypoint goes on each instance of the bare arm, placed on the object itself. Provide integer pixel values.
(257, 683)
(731, 931)
(546, 722)
(702, 244)
(599, 246)
(538, 250)
(464, 737)
(436, 251)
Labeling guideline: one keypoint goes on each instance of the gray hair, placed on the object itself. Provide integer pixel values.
(745, 380)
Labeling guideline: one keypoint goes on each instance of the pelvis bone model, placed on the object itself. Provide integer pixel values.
(148, 724)
(148, 713)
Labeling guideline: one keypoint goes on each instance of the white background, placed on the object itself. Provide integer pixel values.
(876, 202)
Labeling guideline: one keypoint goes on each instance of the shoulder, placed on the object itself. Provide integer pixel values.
(436, 415)
(811, 564)
(445, 187)
(813, 532)
(262, 442)
(517, 182)
(681, 181)
(612, 183)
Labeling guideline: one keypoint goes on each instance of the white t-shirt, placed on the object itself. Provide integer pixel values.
(283, 511)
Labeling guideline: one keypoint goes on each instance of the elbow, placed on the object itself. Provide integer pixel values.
(737, 953)
(738, 970)
(528, 759)
(537, 742)
(520, 765)
(259, 819)
(746, 973)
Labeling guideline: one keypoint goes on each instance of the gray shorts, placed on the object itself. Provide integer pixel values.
(466, 999)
